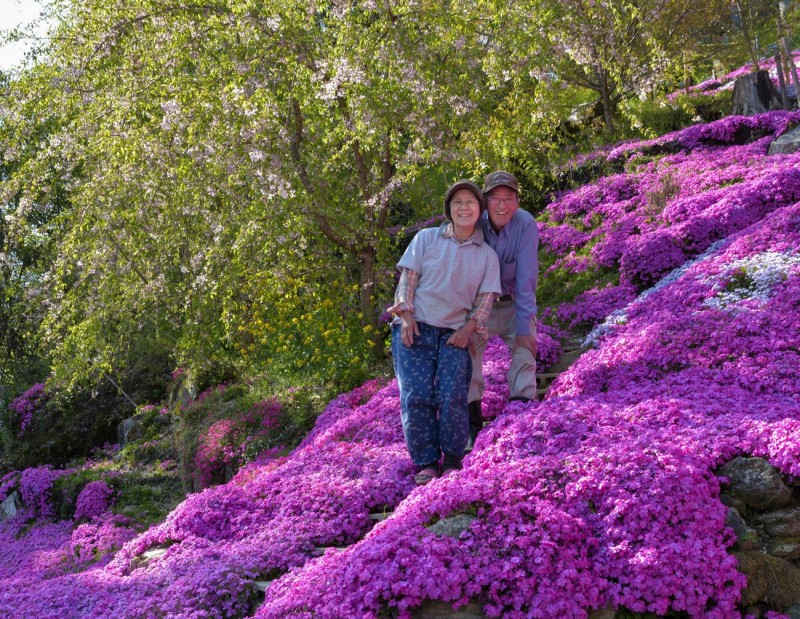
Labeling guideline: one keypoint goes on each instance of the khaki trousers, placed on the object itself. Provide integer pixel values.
(521, 372)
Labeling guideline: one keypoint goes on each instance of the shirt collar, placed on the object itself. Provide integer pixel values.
(446, 231)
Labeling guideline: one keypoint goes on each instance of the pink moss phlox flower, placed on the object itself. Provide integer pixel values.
(594, 305)
(26, 404)
(93, 500)
(35, 485)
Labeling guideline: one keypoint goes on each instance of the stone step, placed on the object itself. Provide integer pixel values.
(147, 556)
(543, 381)
(318, 551)
(380, 516)
(261, 586)
(550, 375)
(566, 360)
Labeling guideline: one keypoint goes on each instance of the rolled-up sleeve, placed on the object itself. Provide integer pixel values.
(481, 312)
(404, 295)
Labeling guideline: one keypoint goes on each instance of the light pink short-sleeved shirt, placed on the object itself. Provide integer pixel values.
(451, 275)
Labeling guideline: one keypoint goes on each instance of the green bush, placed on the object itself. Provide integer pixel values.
(651, 118)
(228, 426)
(62, 426)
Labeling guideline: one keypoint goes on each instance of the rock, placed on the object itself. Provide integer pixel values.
(10, 507)
(788, 143)
(453, 526)
(732, 501)
(780, 523)
(261, 586)
(129, 430)
(602, 613)
(436, 609)
(379, 516)
(754, 481)
(147, 556)
(746, 538)
(789, 550)
(755, 93)
(770, 580)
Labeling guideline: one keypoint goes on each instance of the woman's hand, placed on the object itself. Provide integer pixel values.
(461, 338)
(408, 328)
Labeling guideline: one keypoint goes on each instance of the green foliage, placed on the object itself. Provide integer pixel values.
(707, 108)
(66, 425)
(562, 286)
(67, 488)
(228, 426)
(147, 494)
(650, 118)
(240, 162)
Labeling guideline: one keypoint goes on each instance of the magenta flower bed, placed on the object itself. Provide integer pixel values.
(605, 494)
(665, 211)
(602, 495)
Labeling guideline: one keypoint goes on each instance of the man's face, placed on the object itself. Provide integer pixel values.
(503, 203)
(464, 208)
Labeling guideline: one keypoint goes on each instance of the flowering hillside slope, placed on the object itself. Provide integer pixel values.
(726, 82)
(603, 495)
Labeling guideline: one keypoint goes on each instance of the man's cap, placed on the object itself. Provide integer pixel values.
(463, 184)
(500, 178)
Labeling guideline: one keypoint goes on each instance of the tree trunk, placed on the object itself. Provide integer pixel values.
(782, 82)
(745, 24)
(754, 93)
(366, 295)
(783, 36)
(605, 96)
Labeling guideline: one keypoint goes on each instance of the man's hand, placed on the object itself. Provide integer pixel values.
(408, 328)
(461, 338)
(526, 341)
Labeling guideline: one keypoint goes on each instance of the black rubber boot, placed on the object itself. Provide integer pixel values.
(475, 423)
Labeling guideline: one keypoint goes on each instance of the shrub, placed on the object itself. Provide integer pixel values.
(55, 426)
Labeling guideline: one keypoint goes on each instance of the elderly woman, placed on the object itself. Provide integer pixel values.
(448, 280)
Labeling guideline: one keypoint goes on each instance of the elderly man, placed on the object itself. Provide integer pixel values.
(513, 234)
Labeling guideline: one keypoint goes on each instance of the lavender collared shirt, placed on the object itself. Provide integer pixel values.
(517, 247)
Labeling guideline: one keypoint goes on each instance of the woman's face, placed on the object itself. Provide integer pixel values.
(464, 208)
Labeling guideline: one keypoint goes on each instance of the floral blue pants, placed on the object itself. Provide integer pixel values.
(433, 379)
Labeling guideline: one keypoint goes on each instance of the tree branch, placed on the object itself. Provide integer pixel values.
(355, 145)
(305, 180)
